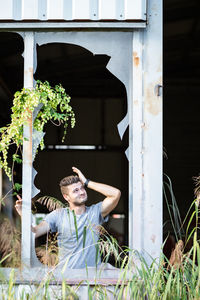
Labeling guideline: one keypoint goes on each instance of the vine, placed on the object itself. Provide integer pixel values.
(55, 107)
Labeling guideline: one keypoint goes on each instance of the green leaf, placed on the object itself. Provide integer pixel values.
(17, 158)
(97, 254)
(17, 186)
(75, 224)
(3, 129)
(84, 236)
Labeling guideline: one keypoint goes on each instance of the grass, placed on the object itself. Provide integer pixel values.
(160, 280)
(146, 282)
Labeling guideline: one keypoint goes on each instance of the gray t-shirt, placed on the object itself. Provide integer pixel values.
(77, 235)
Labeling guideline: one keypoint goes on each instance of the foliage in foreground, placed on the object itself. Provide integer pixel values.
(138, 280)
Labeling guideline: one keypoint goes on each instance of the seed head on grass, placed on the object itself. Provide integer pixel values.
(196, 180)
(176, 258)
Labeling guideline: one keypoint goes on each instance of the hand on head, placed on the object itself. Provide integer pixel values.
(80, 174)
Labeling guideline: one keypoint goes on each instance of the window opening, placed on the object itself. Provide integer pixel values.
(94, 145)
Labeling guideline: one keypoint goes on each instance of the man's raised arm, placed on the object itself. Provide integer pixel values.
(112, 194)
(40, 229)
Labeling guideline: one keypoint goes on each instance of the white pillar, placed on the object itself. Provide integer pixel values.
(146, 136)
(27, 156)
(136, 148)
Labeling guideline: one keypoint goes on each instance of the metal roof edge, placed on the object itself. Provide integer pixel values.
(72, 25)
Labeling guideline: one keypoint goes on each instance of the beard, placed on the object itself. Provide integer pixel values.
(80, 201)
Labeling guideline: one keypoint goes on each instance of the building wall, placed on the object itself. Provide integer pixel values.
(73, 10)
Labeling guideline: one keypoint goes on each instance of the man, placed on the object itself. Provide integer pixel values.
(77, 225)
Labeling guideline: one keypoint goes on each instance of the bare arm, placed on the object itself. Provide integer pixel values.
(111, 193)
(40, 229)
(112, 196)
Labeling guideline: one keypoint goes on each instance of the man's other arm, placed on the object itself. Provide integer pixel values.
(112, 196)
(111, 193)
(40, 229)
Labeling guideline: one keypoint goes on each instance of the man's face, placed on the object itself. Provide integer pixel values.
(76, 194)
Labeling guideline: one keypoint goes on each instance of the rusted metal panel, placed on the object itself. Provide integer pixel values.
(152, 140)
(145, 153)
(73, 10)
(136, 199)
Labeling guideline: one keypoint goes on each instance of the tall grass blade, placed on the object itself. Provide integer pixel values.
(84, 236)
(11, 285)
(176, 218)
(63, 290)
(75, 224)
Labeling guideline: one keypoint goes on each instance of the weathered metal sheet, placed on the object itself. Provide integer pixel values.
(136, 199)
(146, 137)
(107, 9)
(81, 9)
(7, 26)
(136, 8)
(29, 9)
(27, 156)
(72, 10)
(153, 144)
(6, 9)
(54, 9)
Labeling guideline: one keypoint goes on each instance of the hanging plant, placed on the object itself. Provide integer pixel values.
(55, 107)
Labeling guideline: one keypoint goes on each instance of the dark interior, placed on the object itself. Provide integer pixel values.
(11, 80)
(181, 97)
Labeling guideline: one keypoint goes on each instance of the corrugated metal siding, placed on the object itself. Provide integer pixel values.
(71, 10)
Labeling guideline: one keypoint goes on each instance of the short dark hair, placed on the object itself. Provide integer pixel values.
(68, 181)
